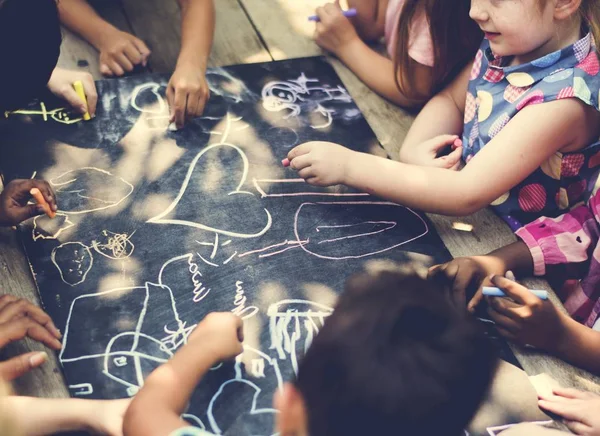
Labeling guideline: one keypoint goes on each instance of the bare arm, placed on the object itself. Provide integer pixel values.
(370, 18)
(82, 19)
(579, 345)
(157, 408)
(44, 416)
(443, 114)
(197, 29)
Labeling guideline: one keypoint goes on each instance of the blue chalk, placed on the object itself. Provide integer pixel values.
(349, 13)
(497, 292)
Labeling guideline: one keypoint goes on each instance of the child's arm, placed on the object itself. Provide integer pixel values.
(45, 416)
(188, 90)
(528, 140)
(370, 18)
(119, 51)
(336, 34)
(157, 408)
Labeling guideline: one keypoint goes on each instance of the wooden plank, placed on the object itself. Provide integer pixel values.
(274, 19)
(157, 22)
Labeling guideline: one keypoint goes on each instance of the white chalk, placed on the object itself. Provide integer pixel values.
(172, 127)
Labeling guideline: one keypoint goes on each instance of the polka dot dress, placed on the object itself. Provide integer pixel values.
(497, 93)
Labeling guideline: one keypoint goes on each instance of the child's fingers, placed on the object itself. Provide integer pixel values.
(307, 173)
(133, 54)
(571, 393)
(565, 410)
(20, 365)
(299, 150)
(504, 322)
(91, 94)
(17, 329)
(300, 162)
(453, 159)
(178, 108)
(517, 292)
(6, 299)
(579, 427)
(71, 97)
(115, 68)
(475, 301)
(47, 192)
(124, 62)
(143, 49)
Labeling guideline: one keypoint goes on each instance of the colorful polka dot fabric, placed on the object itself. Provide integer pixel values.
(497, 93)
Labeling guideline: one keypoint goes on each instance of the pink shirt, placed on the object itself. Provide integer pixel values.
(420, 45)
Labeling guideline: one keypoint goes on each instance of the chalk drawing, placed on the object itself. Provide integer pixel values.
(279, 248)
(162, 217)
(90, 189)
(51, 228)
(162, 108)
(116, 246)
(292, 323)
(495, 431)
(254, 410)
(241, 309)
(60, 115)
(222, 83)
(82, 389)
(354, 234)
(73, 261)
(259, 183)
(303, 94)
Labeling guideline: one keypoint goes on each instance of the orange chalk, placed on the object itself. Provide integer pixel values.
(39, 198)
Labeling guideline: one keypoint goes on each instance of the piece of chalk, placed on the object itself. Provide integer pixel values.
(78, 87)
(286, 162)
(172, 127)
(39, 198)
(489, 291)
(349, 13)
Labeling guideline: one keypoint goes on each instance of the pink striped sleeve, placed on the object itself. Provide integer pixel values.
(566, 239)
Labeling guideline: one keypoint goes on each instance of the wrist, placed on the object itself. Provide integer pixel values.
(348, 174)
(348, 50)
(191, 61)
(565, 337)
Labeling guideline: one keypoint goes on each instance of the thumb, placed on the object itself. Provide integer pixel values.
(73, 99)
(453, 159)
(442, 141)
(17, 366)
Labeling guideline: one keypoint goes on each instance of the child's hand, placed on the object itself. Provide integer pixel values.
(187, 93)
(221, 332)
(333, 32)
(527, 320)
(61, 85)
(14, 199)
(468, 275)
(426, 154)
(579, 410)
(19, 319)
(105, 417)
(120, 52)
(321, 163)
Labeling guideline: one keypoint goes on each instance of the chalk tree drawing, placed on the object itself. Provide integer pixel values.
(227, 198)
(73, 261)
(294, 323)
(60, 115)
(303, 95)
(89, 189)
(354, 229)
(47, 228)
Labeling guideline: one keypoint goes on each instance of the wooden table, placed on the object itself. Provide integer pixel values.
(257, 31)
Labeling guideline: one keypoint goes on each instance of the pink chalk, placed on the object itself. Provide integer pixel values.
(285, 162)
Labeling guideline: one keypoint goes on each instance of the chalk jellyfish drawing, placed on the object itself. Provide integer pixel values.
(293, 324)
(304, 95)
(89, 189)
(352, 230)
(60, 115)
(73, 261)
(218, 191)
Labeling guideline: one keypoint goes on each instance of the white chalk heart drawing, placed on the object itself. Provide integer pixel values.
(213, 191)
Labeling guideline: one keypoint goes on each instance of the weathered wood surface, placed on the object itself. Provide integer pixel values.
(242, 27)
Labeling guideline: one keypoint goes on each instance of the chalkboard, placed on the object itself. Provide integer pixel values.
(156, 229)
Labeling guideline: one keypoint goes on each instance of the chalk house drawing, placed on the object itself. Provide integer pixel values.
(304, 95)
(227, 197)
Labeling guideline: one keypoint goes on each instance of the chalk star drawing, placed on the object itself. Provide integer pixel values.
(89, 189)
(303, 94)
(46, 228)
(227, 197)
(293, 323)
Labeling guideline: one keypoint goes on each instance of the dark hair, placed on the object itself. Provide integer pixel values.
(455, 38)
(30, 38)
(395, 357)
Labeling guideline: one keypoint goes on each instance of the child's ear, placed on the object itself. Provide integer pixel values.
(566, 8)
(291, 419)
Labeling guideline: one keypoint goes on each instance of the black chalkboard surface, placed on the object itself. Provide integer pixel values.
(158, 228)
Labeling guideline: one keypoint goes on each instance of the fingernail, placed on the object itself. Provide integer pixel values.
(38, 358)
(57, 344)
(510, 276)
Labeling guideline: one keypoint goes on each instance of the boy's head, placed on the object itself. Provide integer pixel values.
(395, 357)
(30, 40)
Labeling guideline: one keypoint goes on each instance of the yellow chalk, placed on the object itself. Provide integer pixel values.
(78, 86)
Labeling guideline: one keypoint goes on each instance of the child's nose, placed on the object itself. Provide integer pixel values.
(478, 12)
